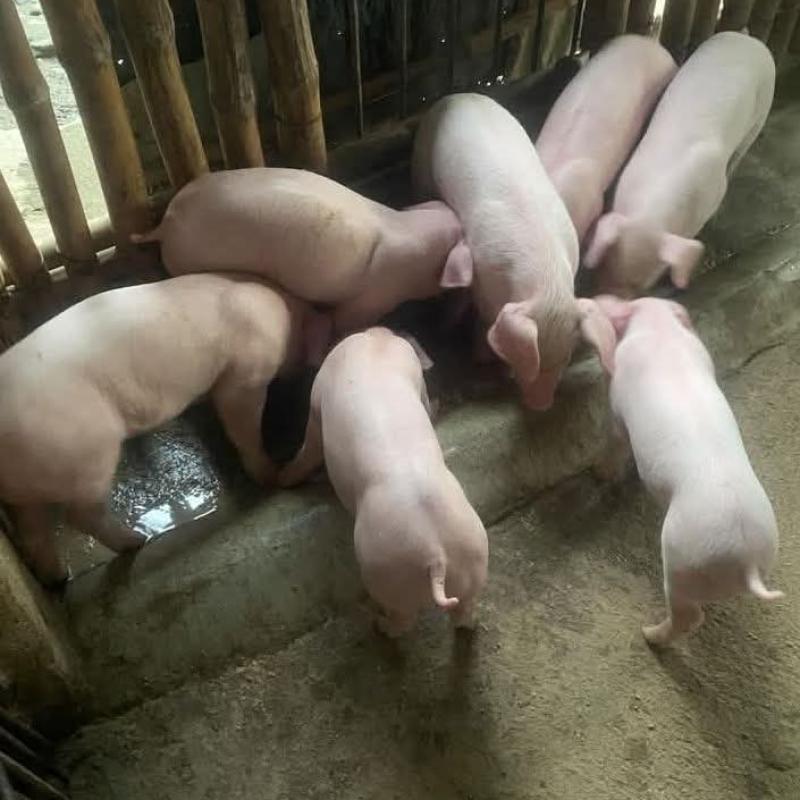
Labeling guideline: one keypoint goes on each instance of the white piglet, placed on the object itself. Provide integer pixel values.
(418, 540)
(598, 119)
(677, 177)
(719, 535)
(475, 156)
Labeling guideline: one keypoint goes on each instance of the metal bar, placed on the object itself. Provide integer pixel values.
(499, 9)
(17, 749)
(6, 792)
(404, 58)
(537, 42)
(25, 734)
(24, 776)
(355, 56)
(577, 27)
(452, 33)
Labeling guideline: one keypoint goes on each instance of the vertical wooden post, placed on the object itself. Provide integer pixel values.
(603, 19)
(783, 27)
(230, 81)
(735, 14)
(640, 16)
(149, 31)
(705, 21)
(20, 253)
(28, 98)
(677, 26)
(35, 649)
(294, 75)
(761, 18)
(84, 49)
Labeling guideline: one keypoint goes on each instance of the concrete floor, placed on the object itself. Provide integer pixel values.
(557, 696)
(239, 662)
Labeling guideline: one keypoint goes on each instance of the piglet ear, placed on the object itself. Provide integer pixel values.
(514, 336)
(681, 255)
(424, 359)
(682, 315)
(618, 311)
(458, 268)
(605, 235)
(596, 328)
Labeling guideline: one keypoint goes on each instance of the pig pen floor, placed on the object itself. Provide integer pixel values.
(236, 661)
(555, 696)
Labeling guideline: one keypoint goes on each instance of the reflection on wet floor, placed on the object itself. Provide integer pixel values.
(188, 471)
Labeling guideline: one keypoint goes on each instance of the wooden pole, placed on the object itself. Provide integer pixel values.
(230, 81)
(677, 26)
(783, 27)
(705, 21)
(20, 253)
(84, 49)
(761, 18)
(149, 31)
(735, 14)
(294, 75)
(28, 98)
(603, 19)
(640, 16)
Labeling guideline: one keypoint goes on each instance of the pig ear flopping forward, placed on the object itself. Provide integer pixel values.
(681, 255)
(424, 359)
(597, 330)
(457, 272)
(514, 337)
(606, 234)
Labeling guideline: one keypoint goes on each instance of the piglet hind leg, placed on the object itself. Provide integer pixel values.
(463, 615)
(394, 624)
(34, 537)
(240, 405)
(310, 455)
(683, 618)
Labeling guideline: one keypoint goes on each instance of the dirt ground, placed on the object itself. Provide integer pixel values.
(556, 695)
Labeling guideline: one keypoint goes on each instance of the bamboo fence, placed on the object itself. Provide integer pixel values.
(297, 104)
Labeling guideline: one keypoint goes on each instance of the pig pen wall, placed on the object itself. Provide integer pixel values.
(331, 86)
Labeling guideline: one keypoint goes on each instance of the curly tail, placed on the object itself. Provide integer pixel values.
(438, 573)
(756, 586)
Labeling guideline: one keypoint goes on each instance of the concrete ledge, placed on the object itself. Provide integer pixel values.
(197, 599)
(39, 670)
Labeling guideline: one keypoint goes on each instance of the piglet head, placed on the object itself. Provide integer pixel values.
(629, 255)
(597, 329)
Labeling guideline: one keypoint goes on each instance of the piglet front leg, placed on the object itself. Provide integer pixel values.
(310, 455)
(240, 406)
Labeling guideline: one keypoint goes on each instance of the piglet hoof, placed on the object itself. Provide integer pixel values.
(658, 635)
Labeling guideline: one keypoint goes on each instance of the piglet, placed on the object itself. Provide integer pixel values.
(473, 154)
(124, 362)
(418, 541)
(598, 119)
(719, 535)
(676, 179)
(314, 237)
